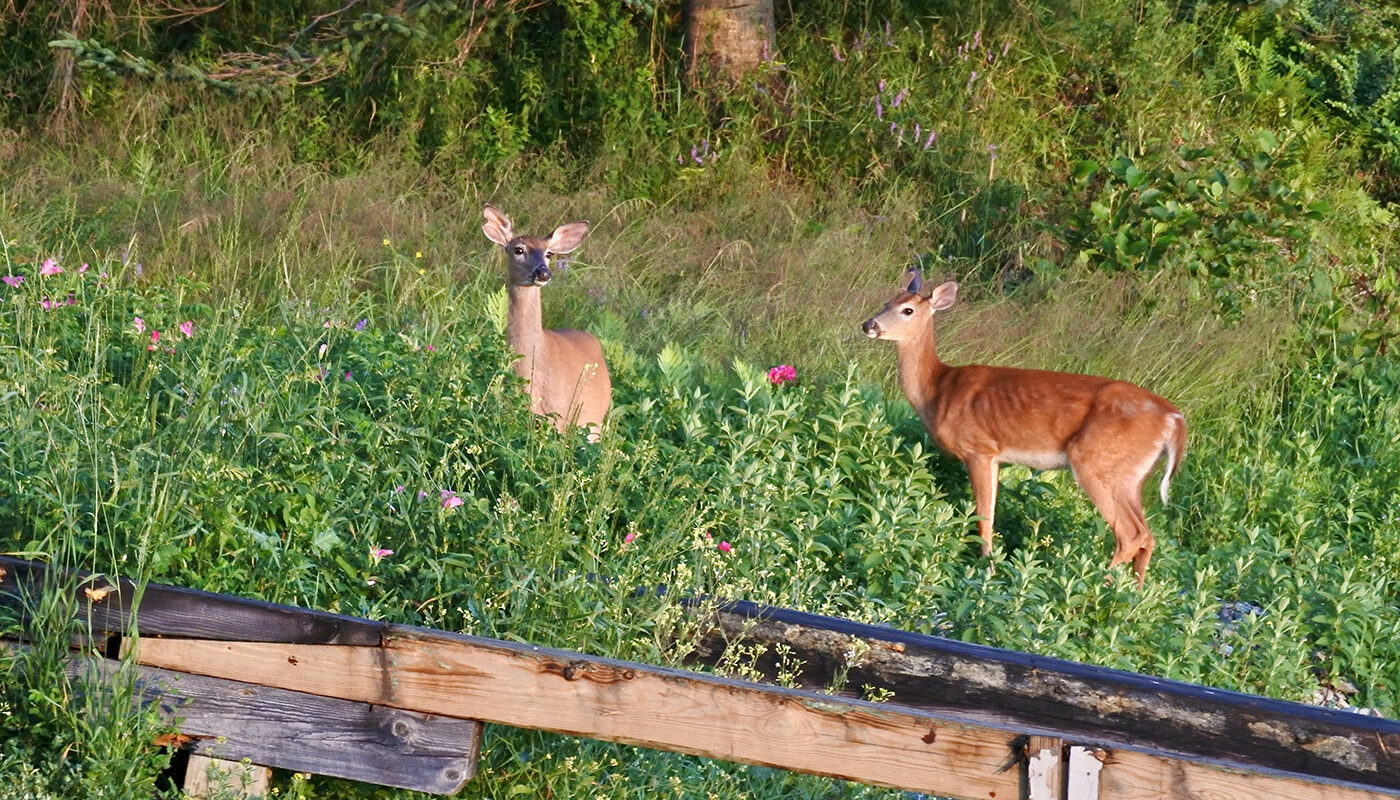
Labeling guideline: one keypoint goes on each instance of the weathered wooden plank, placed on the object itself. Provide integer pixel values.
(880, 744)
(109, 604)
(1077, 702)
(232, 720)
(630, 703)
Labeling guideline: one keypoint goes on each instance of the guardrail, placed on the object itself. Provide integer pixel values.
(402, 706)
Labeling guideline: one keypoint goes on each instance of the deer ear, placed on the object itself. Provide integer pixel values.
(497, 227)
(567, 237)
(916, 280)
(943, 296)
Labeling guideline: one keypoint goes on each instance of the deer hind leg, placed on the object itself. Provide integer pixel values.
(1119, 501)
(983, 472)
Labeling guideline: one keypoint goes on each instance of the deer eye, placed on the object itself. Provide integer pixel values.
(520, 251)
(906, 311)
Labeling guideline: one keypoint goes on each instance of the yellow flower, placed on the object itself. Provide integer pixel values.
(418, 254)
(386, 241)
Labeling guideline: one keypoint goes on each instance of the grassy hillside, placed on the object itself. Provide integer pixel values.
(1153, 191)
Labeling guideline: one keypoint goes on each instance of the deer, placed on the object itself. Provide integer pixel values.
(1108, 433)
(564, 370)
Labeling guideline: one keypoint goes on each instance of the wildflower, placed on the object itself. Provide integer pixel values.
(781, 374)
(155, 337)
(899, 98)
(187, 328)
(430, 349)
(139, 324)
(50, 267)
(377, 553)
(880, 87)
(418, 254)
(398, 489)
(931, 136)
(422, 495)
(879, 109)
(349, 375)
(72, 300)
(324, 373)
(837, 54)
(386, 241)
(359, 326)
(450, 499)
(83, 268)
(138, 269)
(626, 540)
(321, 353)
(725, 547)
(46, 304)
(12, 280)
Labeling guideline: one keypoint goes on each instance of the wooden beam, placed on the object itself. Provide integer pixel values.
(1076, 702)
(629, 703)
(571, 693)
(109, 605)
(233, 720)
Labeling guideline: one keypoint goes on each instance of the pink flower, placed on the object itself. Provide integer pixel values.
(450, 499)
(83, 268)
(139, 324)
(155, 336)
(50, 267)
(13, 280)
(781, 374)
(376, 553)
(46, 304)
(725, 547)
(187, 328)
(628, 538)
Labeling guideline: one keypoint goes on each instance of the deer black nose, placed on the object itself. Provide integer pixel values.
(541, 275)
(871, 328)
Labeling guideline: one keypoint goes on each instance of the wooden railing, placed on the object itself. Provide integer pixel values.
(402, 706)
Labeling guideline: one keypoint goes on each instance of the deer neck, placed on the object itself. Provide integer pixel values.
(919, 368)
(524, 328)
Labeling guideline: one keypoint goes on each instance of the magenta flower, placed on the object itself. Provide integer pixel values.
(50, 267)
(13, 280)
(349, 375)
(781, 374)
(377, 553)
(139, 324)
(155, 336)
(83, 268)
(628, 538)
(187, 328)
(450, 499)
(46, 304)
(725, 547)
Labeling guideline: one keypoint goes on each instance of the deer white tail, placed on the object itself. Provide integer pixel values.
(1174, 448)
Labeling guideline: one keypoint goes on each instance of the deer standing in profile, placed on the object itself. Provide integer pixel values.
(566, 376)
(1108, 433)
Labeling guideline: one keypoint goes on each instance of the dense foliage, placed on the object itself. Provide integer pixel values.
(250, 337)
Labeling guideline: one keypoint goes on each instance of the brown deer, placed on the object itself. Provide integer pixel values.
(566, 375)
(1108, 433)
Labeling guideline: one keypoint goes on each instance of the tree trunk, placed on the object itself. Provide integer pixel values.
(724, 39)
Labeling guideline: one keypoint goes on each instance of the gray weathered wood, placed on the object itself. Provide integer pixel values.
(108, 603)
(1079, 703)
(232, 721)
